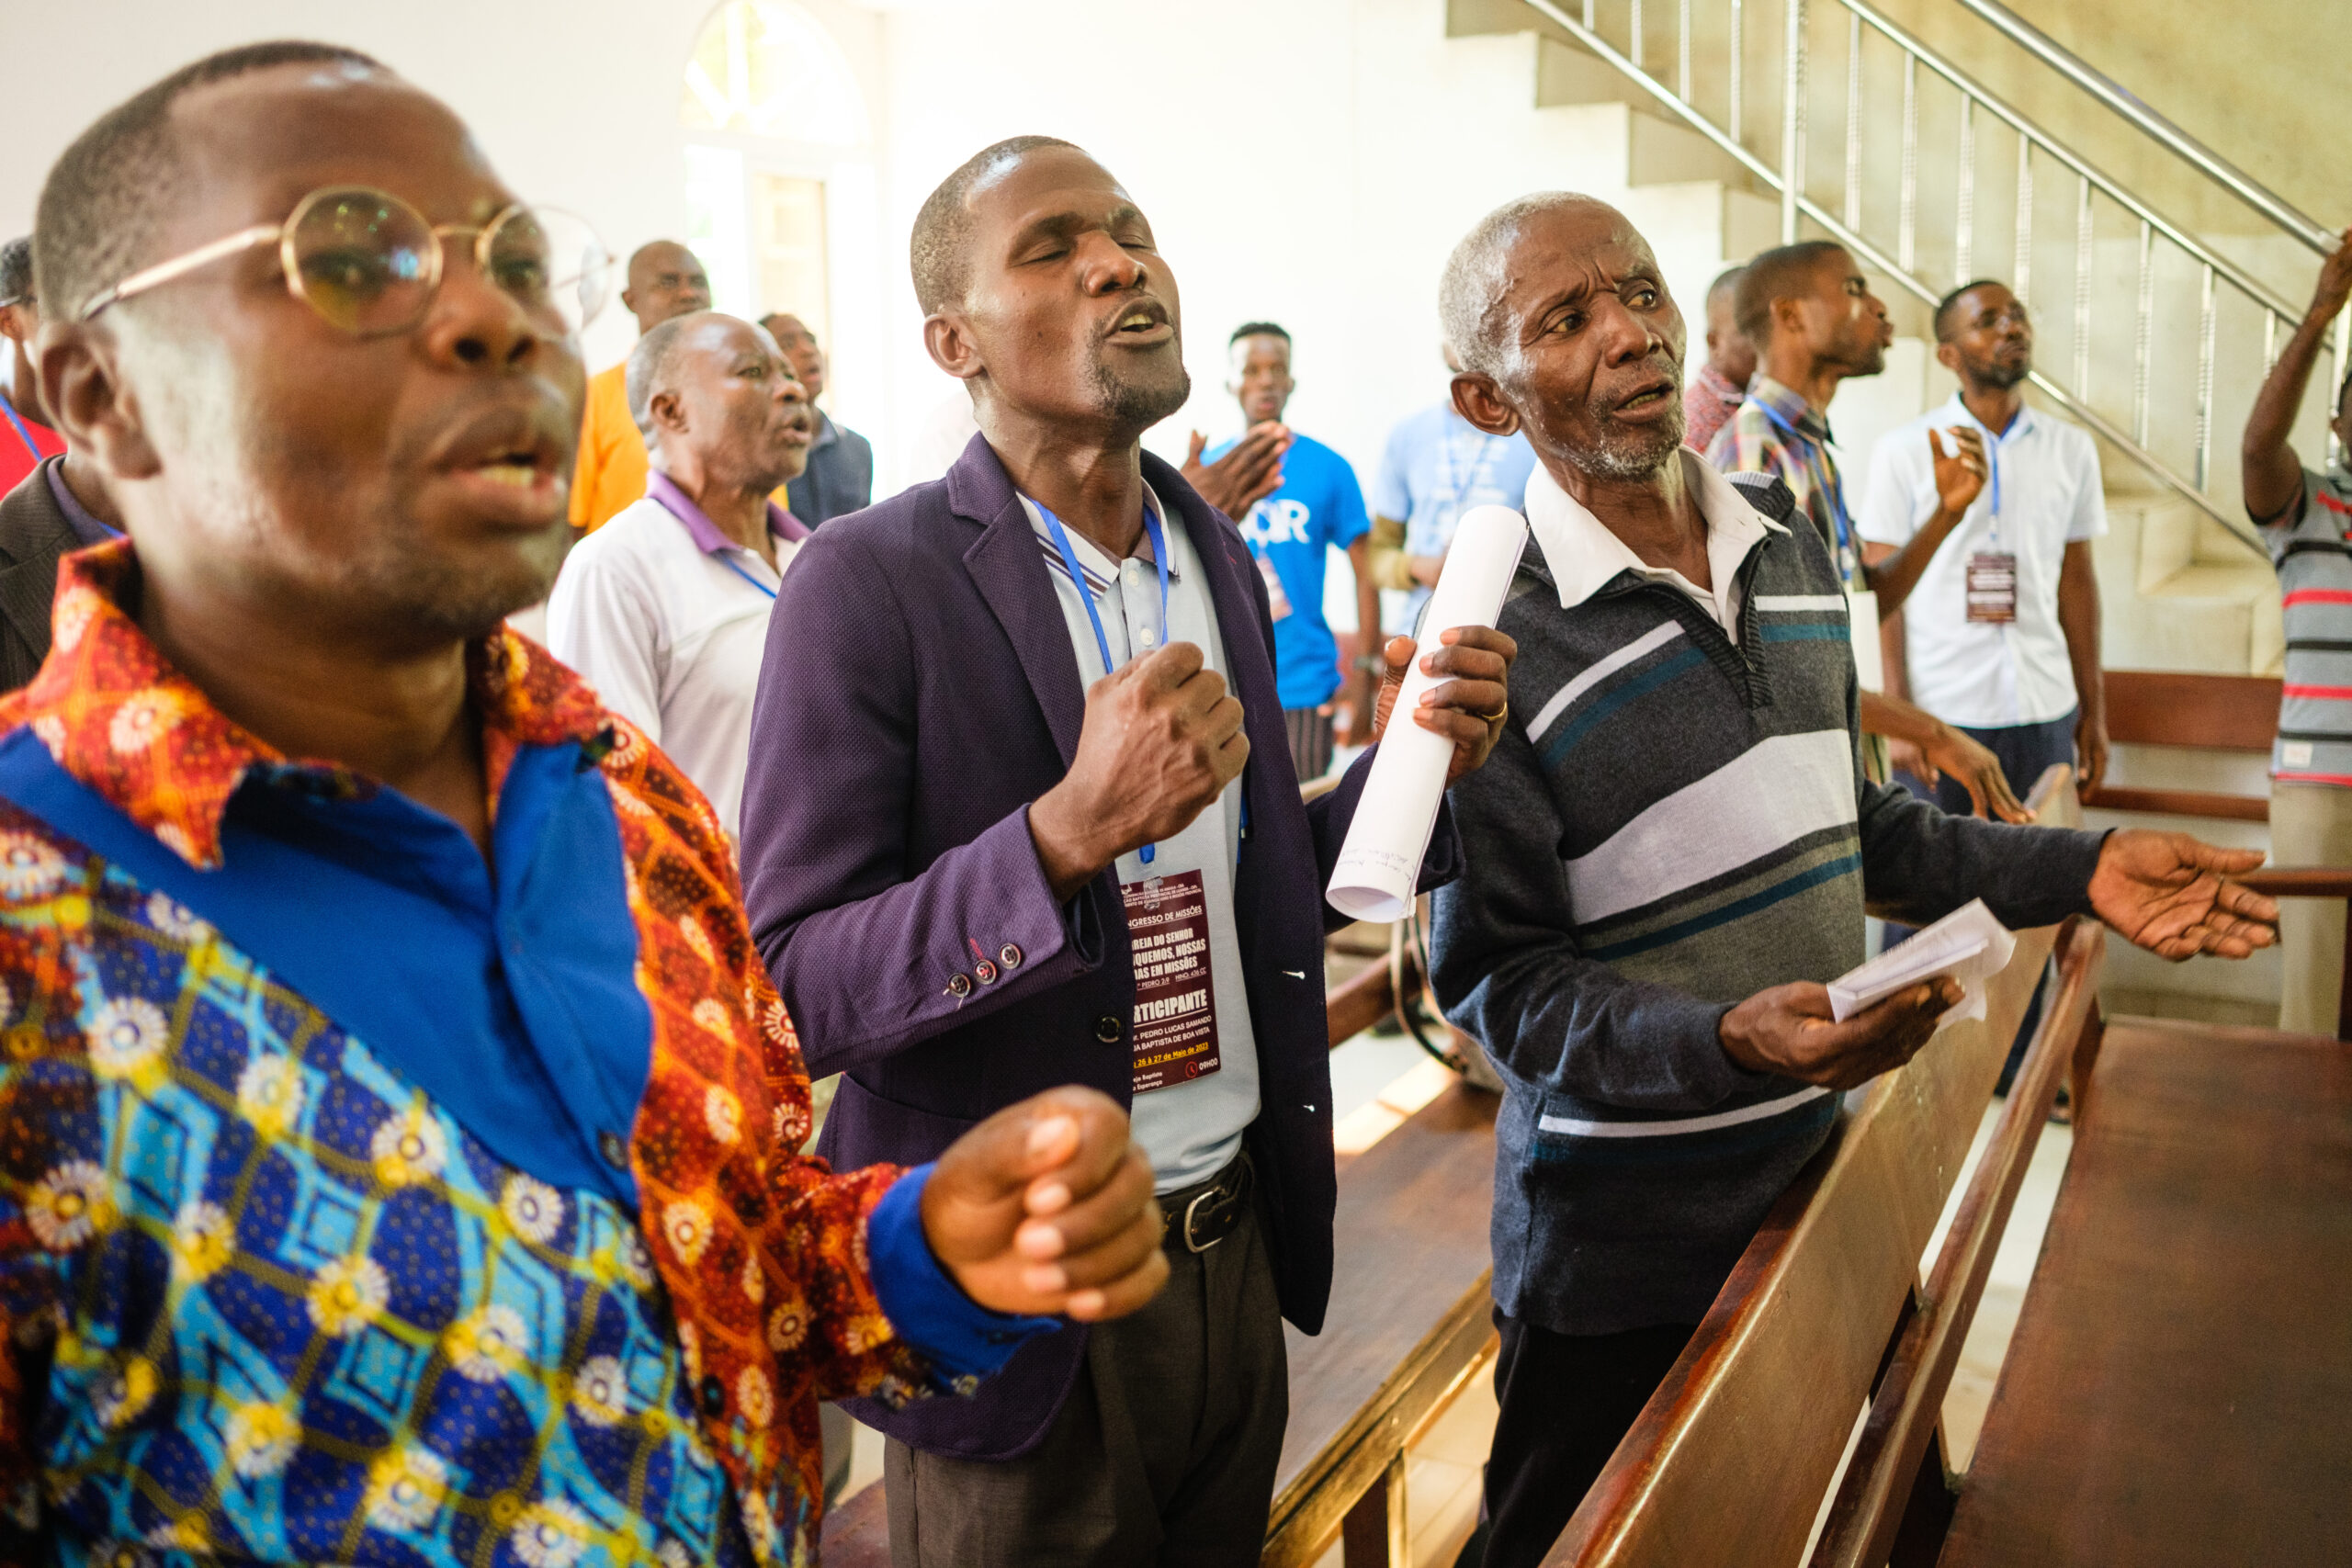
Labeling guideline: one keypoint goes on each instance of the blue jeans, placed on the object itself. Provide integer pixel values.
(2025, 750)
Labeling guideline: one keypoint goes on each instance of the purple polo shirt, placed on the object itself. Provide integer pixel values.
(661, 487)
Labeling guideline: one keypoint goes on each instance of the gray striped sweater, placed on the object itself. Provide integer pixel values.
(1673, 822)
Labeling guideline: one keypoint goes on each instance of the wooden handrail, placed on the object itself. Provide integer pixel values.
(1891, 1466)
(2178, 802)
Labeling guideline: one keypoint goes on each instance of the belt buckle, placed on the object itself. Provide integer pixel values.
(1193, 1209)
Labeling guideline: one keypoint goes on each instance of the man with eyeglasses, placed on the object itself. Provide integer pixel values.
(56, 507)
(664, 280)
(398, 1122)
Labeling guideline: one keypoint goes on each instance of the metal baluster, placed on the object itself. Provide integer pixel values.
(1854, 120)
(1792, 120)
(2025, 220)
(1964, 241)
(1907, 219)
(2269, 341)
(1738, 66)
(2204, 381)
(1682, 66)
(2082, 388)
(2144, 333)
(1588, 14)
(1635, 52)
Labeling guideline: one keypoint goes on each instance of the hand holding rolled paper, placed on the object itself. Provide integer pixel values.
(1455, 693)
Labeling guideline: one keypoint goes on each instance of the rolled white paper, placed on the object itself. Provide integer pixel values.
(1381, 860)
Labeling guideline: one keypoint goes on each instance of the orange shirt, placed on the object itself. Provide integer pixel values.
(611, 471)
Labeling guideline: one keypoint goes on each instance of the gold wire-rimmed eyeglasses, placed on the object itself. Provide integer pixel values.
(370, 264)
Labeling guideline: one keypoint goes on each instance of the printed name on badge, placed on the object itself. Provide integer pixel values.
(1993, 587)
(1175, 1022)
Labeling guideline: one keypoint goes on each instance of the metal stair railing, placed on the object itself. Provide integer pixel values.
(1898, 253)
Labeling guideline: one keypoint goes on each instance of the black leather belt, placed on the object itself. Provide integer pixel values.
(1202, 1215)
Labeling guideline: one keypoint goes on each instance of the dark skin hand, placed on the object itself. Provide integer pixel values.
(385, 521)
(2171, 893)
(1243, 477)
(1046, 1208)
(1789, 1030)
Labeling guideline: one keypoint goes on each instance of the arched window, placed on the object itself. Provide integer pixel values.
(770, 110)
(765, 68)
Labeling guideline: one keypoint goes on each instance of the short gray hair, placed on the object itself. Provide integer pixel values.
(1477, 274)
(650, 365)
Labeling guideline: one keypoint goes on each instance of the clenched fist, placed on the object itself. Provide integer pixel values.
(1162, 739)
(1046, 1207)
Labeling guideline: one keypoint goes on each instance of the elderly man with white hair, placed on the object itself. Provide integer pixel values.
(1671, 850)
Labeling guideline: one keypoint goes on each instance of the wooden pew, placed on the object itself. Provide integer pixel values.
(1727, 1465)
(2158, 707)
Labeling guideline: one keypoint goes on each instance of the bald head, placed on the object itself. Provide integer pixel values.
(664, 280)
(942, 229)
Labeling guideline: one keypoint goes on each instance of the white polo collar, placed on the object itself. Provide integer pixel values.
(1584, 556)
(1956, 411)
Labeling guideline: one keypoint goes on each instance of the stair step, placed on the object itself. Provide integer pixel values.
(2210, 580)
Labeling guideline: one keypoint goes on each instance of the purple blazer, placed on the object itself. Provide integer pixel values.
(919, 690)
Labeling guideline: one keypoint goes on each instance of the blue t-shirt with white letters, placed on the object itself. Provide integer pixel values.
(1319, 506)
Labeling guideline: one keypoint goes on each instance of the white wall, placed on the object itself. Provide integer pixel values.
(1311, 163)
(576, 102)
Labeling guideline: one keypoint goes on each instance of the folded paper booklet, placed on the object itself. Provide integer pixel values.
(1968, 944)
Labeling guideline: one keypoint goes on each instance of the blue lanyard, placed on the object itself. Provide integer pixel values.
(22, 433)
(1993, 462)
(1086, 594)
(1830, 483)
(746, 576)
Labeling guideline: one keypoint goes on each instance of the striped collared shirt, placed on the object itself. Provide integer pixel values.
(2309, 545)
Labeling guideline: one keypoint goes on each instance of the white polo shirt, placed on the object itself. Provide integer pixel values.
(667, 618)
(1190, 1130)
(1989, 675)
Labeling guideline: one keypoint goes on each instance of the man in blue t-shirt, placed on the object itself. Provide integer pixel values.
(1318, 505)
(1437, 468)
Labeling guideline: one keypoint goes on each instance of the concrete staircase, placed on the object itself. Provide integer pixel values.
(2179, 591)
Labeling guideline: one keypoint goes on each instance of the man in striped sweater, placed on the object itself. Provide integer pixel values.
(1670, 850)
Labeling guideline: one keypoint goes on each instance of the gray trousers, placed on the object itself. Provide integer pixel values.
(1163, 1454)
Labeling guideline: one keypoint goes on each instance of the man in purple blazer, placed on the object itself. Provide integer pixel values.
(1021, 812)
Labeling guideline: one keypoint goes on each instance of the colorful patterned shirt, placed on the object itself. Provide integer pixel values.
(265, 1295)
(2310, 543)
(1776, 432)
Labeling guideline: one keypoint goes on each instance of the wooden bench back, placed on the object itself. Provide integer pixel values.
(1728, 1463)
(2163, 708)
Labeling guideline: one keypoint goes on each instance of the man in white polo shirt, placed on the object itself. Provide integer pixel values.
(1977, 524)
(665, 609)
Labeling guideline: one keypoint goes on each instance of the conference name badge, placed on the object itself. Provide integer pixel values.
(1175, 1021)
(1993, 587)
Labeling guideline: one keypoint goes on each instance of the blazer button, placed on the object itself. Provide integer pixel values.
(959, 985)
(714, 1396)
(615, 1153)
(1009, 955)
(984, 972)
(1108, 1030)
